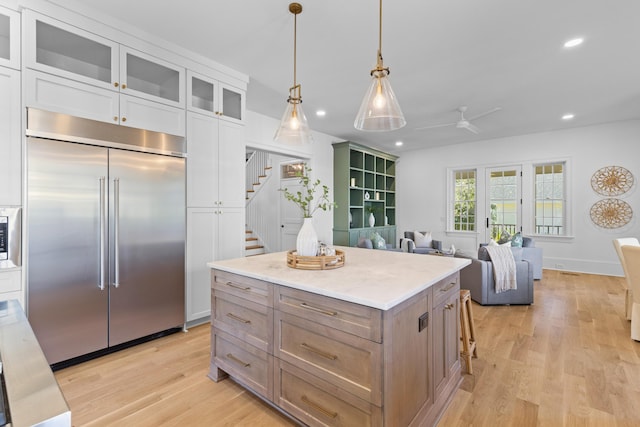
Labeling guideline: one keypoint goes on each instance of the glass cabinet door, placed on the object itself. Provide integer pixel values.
(9, 38)
(209, 96)
(61, 49)
(151, 78)
(202, 93)
(233, 103)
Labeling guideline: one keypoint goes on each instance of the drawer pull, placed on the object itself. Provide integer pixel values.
(238, 361)
(319, 408)
(319, 310)
(448, 306)
(318, 351)
(242, 288)
(238, 318)
(449, 286)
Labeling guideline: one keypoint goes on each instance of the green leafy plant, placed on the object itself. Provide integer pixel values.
(305, 199)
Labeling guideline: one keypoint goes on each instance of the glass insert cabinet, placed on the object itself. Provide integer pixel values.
(364, 182)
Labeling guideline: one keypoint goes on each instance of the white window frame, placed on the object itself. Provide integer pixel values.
(567, 214)
(451, 200)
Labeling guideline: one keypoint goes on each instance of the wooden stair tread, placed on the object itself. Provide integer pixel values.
(254, 247)
(250, 238)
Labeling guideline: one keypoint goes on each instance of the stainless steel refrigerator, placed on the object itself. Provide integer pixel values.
(105, 232)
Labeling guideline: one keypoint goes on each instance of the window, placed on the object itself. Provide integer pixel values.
(550, 203)
(464, 200)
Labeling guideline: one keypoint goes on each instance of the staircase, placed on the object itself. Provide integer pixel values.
(258, 171)
(252, 244)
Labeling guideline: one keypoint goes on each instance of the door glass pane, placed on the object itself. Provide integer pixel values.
(503, 203)
(232, 104)
(5, 38)
(202, 94)
(153, 79)
(67, 51)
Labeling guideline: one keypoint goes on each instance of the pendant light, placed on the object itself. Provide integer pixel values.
(294, 128)
(379, 110)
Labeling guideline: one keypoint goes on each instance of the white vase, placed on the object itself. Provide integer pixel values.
(307, 241)
(372, 220)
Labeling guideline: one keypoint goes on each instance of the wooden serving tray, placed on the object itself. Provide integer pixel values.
(324, 262)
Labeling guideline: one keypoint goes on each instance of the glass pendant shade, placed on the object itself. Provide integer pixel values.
(379, 110)
(294, 129)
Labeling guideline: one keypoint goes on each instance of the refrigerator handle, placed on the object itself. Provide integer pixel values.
(103, 230)
(116, 232)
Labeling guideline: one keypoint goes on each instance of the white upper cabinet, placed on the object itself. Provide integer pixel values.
(64, 50)
(151, 78)
(61, 49)
(209, 96)
(9, 38)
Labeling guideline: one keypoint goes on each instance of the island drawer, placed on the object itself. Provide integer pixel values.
(247, 320)
(356, 319)
(247, 364)
(443, 289)
(350, 362)
(316, 402)
(244, 287)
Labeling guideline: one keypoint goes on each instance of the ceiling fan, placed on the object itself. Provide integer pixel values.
(463, 123)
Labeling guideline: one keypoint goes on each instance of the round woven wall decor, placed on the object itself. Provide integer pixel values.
(611, 213)
(612, 181)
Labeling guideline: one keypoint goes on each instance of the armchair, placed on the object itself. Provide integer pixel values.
(409, 240)
(479, 279)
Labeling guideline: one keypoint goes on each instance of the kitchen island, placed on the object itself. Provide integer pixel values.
(375, 342)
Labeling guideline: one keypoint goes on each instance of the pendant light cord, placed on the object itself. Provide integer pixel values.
(295, 38)
(380, 33)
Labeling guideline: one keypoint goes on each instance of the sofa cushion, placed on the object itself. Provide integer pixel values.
(364, 242)
(423, 240)
(378, 241)
(516, 240)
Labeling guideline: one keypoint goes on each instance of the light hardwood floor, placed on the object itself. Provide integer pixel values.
(567, 360)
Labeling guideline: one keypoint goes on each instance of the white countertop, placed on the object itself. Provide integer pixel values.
(375, 278)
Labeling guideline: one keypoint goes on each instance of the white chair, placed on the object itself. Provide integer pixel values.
(632, 260)
(618, 244)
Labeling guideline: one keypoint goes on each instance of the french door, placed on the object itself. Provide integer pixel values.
(504, 202)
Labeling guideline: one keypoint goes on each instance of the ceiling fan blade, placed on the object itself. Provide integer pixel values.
(472, 128)
(436, 126)
(486, 113)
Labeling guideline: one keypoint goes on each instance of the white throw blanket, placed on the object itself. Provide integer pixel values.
(504, 267)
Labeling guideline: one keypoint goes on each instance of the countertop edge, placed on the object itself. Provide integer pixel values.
(360, 299)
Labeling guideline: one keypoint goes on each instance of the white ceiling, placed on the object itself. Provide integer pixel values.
(442, 54)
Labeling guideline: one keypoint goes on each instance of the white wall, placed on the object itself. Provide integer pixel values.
(422, 182)
(260, 130)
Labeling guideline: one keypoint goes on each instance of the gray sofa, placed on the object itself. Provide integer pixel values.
(478, 278)
(436, 245)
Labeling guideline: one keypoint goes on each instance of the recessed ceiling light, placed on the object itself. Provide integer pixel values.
(568, 116)
(321, 113)
(399, 143)
(574, 42)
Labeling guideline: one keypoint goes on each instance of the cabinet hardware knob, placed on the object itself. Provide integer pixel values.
(124, 119)
(319, 310)
(448, 306)
(238, 361)
(242, 288)
(115, 118)
(318, 351)
(319, 408)
(124, 85)
(116, 84)
(238, 318)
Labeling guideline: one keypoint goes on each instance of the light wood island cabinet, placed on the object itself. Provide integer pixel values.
(374, 343)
